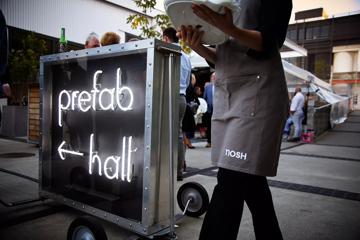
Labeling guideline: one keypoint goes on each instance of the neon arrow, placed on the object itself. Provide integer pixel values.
(62, 151)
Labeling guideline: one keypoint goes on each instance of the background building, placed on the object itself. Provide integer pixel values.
(333, 46)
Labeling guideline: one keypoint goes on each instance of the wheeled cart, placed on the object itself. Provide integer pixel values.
(108, 131)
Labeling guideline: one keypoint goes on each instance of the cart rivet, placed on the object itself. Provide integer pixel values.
(117, 219)
(109, 49)
(148, 126)
(73, 203)
(147, 168)
(148, 147)
(105, 215)
(252, 114)
(93, 211)
(150, 64)
(151, 43)
(83, 206)
(146, 188)
(144, 229)
(148, 105)
(258, 77)
(136, 45)
(145, 209)
(149, 85)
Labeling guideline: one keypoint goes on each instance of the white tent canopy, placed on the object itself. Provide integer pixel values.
(321, 88)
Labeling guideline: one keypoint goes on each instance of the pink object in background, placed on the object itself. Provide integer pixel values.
(308, 137)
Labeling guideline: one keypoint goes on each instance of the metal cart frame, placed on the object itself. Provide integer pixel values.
(160, 133)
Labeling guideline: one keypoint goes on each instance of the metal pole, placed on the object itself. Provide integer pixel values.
(171, 165)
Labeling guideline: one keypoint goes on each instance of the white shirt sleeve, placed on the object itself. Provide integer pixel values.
(297, 102)
(294, 103)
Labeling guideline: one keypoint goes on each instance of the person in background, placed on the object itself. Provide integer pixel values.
(198, 91)
(110, 38)
(199, 118)
(169, 36)
(208, 96)
(249, 112)
(192, 103)
(287, 128)
(297, 114)
(92, 41)
(288, 124)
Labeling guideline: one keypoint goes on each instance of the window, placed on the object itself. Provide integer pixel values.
(301, 34)
(292, 34)
(317, 32)
(324, 31)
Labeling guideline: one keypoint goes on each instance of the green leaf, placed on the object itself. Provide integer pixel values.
(148, 29)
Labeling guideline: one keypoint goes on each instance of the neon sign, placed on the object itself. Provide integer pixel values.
(110, 172)
(120, 97)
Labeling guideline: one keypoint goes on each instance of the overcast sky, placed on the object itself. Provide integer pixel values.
(331, 7)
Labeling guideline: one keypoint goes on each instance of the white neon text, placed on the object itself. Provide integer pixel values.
(62, 150)
(112, 172)
(105, 99)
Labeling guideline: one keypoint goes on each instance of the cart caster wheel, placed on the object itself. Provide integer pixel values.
(199, 199)
(86, 228)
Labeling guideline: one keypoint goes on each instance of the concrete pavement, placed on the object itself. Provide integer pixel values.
(316, 192)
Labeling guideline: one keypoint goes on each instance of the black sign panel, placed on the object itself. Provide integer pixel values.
(97, 132)
(312, 13)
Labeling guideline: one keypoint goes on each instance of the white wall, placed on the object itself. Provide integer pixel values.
(343, 62)
(346, 59)
(79, 17)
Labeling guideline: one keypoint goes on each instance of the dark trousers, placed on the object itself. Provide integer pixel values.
(223, 217)
(207, 123)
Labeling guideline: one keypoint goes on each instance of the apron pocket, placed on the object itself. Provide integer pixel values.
(220, 103)
(243, 96)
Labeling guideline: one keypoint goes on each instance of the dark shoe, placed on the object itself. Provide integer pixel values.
(187, 142)
(184, 168)
(294, 139)
(179, 178)
(190, 146)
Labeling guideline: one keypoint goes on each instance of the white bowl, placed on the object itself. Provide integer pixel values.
(181, 13)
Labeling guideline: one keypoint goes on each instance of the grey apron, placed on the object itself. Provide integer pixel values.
(250, 104)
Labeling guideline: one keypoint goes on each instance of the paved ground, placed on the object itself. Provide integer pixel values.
(316, 193)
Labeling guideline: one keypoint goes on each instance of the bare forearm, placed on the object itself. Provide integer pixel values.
(249, 38)
(224, 22)
(207, 52)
